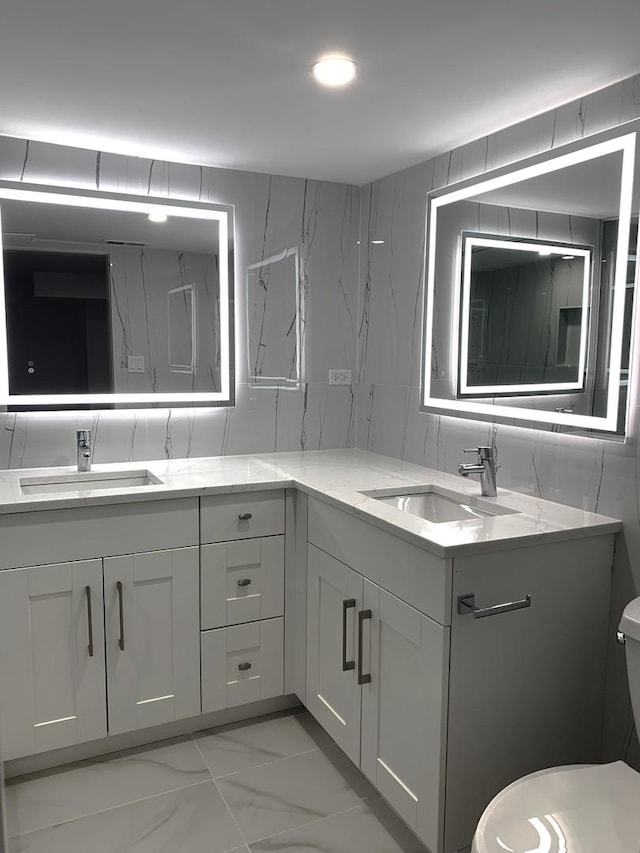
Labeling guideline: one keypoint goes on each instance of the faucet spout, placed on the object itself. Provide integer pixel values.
(83, 447)
(485, 466)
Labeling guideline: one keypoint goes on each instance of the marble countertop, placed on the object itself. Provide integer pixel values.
(338, 477)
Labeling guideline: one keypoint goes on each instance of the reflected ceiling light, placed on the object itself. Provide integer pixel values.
(334, 71)
(157, 216)
(568, 257)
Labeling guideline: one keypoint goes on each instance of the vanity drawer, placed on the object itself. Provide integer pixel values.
(244, 515)
(241, 581)
(241, 664)
(410, 573)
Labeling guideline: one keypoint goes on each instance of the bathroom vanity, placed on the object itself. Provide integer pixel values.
(445, 657)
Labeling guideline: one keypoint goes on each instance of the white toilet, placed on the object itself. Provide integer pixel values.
(574, 809)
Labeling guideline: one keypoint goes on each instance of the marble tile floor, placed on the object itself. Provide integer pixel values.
(278, 783)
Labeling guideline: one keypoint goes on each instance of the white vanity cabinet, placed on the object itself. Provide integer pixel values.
(52, 656)
(62, 677)
(439, 709)
(241, 598)
(151, 614)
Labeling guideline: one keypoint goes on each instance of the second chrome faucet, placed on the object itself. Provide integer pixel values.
(83, 443)
(485, 466)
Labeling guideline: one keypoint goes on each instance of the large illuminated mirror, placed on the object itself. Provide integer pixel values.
(113, 300)
(529, 289)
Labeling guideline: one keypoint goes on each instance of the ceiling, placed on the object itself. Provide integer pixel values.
(227, 82)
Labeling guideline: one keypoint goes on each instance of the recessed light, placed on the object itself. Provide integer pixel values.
(377, 242)
(334, 71)
(544, 252)
(157, 216)
(568, 257)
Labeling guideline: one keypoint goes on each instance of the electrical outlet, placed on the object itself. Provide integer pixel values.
(135, 364)
(339, 377)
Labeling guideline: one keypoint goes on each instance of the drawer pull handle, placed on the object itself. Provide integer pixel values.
(244, 581)
(363, 677)
(87, 590)
(121, 605)
(243, 667)
(245, 516)
(467, 604)
(347, 604)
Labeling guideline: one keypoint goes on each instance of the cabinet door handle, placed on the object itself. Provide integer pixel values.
(243, 667)
(245, 516)
(467, 604)
(363, 677)
(87, 590)
(347, 604)
(244, 581)
(121, 640)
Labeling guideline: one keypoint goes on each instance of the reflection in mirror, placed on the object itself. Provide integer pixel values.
(182, 316)
(524, 314)
(515, 335)
(113, 300)
(276, 313)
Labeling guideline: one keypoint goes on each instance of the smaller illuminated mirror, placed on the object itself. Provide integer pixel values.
(524, 316)
(114, 300)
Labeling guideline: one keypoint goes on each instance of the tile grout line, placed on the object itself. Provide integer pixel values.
(265, 763)
(221, 795)
(112, 808)
(314, 821)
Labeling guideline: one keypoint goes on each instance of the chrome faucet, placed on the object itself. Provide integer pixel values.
(83, 441)
(485, 466)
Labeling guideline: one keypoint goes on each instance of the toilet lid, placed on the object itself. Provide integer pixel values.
(565, 810)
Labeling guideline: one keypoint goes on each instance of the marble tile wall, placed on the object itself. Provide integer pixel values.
(272, 214)
(595, 474)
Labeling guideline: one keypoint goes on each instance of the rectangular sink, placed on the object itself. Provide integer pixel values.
(440, 508)
(77, 481)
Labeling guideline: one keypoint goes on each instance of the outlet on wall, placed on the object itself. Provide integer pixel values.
(339, 377)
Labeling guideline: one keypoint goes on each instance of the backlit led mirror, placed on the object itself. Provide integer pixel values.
(529, 289)
(113, 300)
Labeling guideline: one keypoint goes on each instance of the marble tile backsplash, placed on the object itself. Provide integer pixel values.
(593, 474)
(272, 214)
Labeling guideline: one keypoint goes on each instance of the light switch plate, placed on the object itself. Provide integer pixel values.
(135, 364)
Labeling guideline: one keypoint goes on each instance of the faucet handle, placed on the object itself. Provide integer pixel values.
(83, 435)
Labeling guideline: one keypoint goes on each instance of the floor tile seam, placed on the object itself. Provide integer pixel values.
(112, 808)
(361, 804)
(225, 803)
(267, 763)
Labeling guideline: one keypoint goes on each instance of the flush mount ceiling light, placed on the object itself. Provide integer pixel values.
(156, 216)
(334, 71)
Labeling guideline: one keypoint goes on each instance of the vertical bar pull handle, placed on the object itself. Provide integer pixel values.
(347, 604)
(121, 640)
(363, 677)
(87, 590)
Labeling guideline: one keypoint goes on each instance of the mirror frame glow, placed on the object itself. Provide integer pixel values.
(75, 197)
(522, 246)
(615, 140)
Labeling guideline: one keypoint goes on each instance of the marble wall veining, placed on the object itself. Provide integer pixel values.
(272, 214)
(599, 475)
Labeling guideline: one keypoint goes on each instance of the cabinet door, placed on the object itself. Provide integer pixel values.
(51, 657)
(334, 597)
(404, 710)
(153, 638)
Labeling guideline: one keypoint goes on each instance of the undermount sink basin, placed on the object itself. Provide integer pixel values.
(440, 508)
(84, 481)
